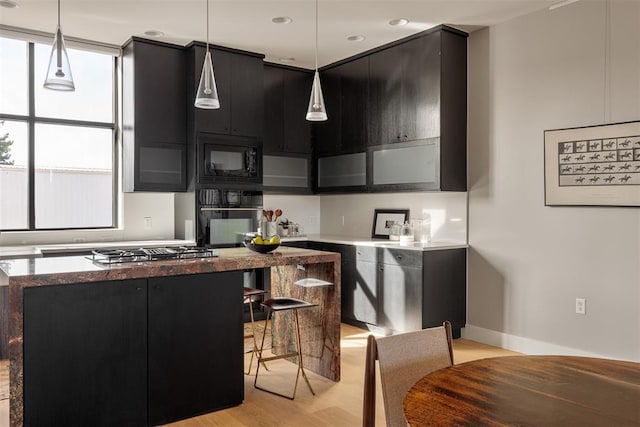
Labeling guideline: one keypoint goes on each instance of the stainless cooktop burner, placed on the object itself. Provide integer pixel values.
(117, 256)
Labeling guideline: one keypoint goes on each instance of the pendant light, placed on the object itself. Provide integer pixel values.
(316, 111)
(59, 72)
(207, 95)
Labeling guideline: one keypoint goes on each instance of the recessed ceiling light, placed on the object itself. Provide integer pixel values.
(154, 33)
(355, 38)
(288, 59)
(282, 20)
(398, 22)
(8, 4)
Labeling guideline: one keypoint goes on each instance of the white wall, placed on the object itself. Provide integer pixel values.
(304, 210)
(448, 213)
(578, 65)
(136, 206)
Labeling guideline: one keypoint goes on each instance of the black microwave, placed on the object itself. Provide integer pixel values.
(229, 159)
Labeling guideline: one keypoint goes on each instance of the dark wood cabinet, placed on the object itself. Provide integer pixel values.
(287, 141)
(239, 82)
(400, 290)
(85, 354)
(133, 352)
(286, 98)
(411, 92)
(345, 91)
(154, 116)
(195, 345)
(404, 89)
(328, 138)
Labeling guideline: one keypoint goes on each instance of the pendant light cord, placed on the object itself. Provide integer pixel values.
(316, 35)
(207, 25)
(58, 13)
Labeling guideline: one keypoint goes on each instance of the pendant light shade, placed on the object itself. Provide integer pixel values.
(59, 75)
(316, 111)
(207, 94)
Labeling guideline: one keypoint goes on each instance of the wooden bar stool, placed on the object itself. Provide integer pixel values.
(248, 295)
(276, 305)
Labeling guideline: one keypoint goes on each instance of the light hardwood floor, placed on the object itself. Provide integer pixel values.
(335, 404)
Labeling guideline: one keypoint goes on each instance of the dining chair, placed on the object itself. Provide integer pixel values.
(403, 359)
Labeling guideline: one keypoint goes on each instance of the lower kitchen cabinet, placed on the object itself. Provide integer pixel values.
(132, 352)
(195, 345)
(85, 354)
(400, 290)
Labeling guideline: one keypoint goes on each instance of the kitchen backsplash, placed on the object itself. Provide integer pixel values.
(303, 210)
(351, 215)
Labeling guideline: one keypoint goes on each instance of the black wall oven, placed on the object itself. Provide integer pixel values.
(225, 216)
(224, 159)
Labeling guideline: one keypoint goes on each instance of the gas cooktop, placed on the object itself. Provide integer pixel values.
(117, 256)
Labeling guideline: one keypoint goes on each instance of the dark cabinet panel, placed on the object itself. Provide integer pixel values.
(286, 98)
(153, 111)
(239, 81)
(218, 120)
(386, 75)
(328, 133)
(247, 105)
(195, 345)
(195, 363)
(365, 294)
(444, 295)
(273, 109)
(354, 80)
(400, 288)
(297, 129)
(85, 354)
(420, 117)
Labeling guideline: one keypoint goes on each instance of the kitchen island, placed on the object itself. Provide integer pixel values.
(125, 323)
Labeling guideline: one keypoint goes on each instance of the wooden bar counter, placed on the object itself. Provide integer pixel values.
(78, 276)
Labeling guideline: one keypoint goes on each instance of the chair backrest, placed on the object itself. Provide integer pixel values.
(403, 360)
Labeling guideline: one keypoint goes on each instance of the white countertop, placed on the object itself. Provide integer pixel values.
(37, 251)
(380, 243)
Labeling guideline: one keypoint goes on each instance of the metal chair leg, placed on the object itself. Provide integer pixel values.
(254, 351)
(297, 353)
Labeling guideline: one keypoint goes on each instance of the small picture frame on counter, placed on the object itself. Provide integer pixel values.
(383, 219)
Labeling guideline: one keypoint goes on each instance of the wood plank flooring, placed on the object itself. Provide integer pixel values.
(335, 404)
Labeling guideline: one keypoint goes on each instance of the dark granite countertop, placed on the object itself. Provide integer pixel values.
(79, 269)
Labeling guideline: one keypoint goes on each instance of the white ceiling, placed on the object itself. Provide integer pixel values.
(246, 24)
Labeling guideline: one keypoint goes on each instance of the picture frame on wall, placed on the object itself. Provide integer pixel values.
(384, 218)
(592, 166)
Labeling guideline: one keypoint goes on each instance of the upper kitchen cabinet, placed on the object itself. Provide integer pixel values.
(418, 92)
(239, 81)
(153, 116)
(345, 91)
(286, 98)
(287, 133)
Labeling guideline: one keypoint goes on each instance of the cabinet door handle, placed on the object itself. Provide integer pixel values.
(381, 268)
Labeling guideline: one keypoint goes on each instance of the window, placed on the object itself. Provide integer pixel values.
(57, 149)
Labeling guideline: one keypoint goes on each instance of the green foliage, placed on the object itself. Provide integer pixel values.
(5, 148)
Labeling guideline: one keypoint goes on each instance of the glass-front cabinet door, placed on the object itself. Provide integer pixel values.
(161, 167)
(406, 165)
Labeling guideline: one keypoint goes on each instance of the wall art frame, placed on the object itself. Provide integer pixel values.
(592, 166)
(384, 218)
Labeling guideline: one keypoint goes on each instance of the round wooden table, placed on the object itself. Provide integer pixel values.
(528, 390)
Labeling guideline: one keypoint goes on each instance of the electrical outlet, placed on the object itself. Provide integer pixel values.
(581, 306)
(147, 223)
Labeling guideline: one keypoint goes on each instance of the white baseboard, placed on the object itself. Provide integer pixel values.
(521, 344)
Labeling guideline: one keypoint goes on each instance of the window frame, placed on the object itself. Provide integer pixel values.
(31, 119)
